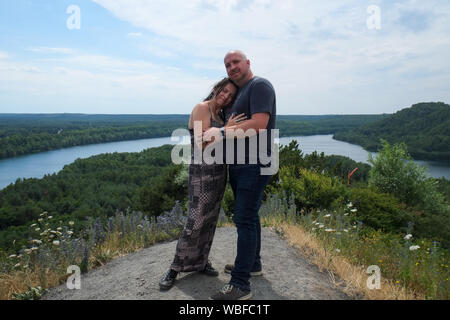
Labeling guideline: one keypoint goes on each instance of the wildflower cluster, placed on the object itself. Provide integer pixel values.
(54, 246)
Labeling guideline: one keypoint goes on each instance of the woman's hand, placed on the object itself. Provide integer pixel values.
(232, 121)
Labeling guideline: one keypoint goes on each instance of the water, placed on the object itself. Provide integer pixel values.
(40, 164)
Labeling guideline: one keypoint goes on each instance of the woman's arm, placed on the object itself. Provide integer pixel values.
(201, 122)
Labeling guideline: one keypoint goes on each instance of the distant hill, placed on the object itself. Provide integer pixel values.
(424, 127)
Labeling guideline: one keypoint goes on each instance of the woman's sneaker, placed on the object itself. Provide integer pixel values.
(209, 270)
(230, 292)
(168, 280)
(229, 267)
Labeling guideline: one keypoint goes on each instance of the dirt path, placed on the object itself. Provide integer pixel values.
(287, 275)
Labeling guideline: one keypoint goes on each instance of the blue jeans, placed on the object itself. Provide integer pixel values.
(248, 188)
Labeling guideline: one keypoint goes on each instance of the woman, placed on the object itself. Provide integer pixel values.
(206, 188)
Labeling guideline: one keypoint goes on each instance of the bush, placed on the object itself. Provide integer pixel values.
(310, 189)
(378, 210)
(394, 172)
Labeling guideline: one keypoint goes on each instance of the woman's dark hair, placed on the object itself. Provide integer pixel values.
(217, 88)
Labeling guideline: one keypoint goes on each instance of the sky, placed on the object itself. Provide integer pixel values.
(163, 57)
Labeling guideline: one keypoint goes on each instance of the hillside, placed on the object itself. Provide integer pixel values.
(424, 127)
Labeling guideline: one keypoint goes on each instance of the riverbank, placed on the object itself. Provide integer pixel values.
(39, 165)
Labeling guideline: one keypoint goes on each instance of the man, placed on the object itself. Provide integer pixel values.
(256, 98)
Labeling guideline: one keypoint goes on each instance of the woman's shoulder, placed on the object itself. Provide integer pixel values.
(201, 108)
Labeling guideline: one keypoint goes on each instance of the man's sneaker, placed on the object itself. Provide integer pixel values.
(209, 270)
(229, 267)
(168, 280)
(230, 292)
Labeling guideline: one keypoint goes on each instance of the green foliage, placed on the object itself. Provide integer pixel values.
(394, 172)
(24, 134)
(93, 187)
(425, 128)
(310, 189)
(34, 293)
(161, 193)
(378, 210)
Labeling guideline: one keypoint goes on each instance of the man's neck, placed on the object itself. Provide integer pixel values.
(244, 82)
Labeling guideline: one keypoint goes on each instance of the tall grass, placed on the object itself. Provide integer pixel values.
(45, 261)
(410, 268)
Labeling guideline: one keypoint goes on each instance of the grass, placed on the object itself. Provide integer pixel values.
(334, 241)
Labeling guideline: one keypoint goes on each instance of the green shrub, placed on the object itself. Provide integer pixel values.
(394, 172)
(310, 189)
(378, 210)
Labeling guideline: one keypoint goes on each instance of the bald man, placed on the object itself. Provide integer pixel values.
(256, 99)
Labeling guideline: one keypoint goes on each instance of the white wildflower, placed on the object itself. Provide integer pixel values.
(408, 236)
(350, 205)
(412, 248)
(337, 250)
(37, 229)
(354, 210)
(50, 217)
(345, 230)
(56, 243)
(59, 229)
(33, 225)
(71, 223)
(12, 256)
(321, 226)
(329, 230)
(17, 265)
(327, 216)
(40, 219)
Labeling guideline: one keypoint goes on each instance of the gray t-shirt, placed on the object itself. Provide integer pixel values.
(256, 96)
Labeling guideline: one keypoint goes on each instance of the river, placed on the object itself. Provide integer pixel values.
(40, 164)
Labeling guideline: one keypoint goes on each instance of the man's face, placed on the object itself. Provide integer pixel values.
(237, 67)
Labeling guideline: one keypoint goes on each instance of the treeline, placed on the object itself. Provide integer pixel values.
(424, 127)
(25, 134)
(325, 124)
(22, 134)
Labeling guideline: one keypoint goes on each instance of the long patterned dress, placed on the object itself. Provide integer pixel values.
(206, 188)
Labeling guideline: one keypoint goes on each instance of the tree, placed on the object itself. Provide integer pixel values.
(393, 171)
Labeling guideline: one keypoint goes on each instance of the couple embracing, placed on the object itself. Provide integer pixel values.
(241, 101)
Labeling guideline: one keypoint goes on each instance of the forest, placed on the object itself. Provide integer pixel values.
(22, 134)
(148, 182)
(424, 127)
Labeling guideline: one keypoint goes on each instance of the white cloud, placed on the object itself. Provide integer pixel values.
(319, 55)
(3, 55)
(134, 34)
(49, 50)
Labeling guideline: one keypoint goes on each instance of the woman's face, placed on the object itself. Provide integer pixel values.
(225, 97)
